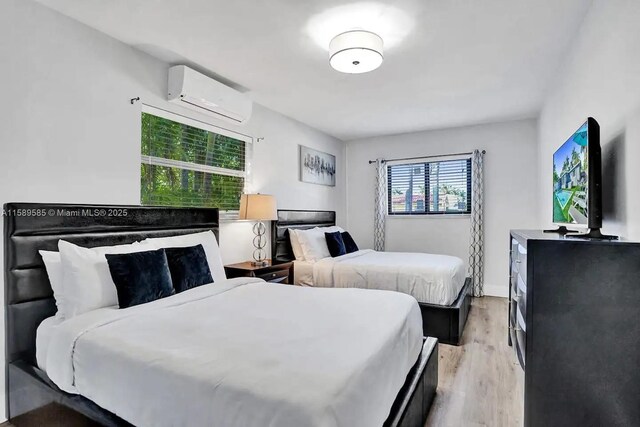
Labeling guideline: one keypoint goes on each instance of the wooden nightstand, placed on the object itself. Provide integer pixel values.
(278, 273)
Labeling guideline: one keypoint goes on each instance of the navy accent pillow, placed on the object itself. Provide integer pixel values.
(140, 277)
(335, 244)
(189, 267)
(349, 243)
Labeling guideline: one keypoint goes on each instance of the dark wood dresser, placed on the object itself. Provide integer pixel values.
(574, 323)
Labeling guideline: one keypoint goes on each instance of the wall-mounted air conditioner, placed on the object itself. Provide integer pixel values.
(191, 89)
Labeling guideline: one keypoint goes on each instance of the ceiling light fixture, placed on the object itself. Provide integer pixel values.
(356, 51)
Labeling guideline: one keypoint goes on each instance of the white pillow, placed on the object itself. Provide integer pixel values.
(208, 241)
(313, 243)
(295, 245)
(53, 266)
(87, 283)
(331, 229)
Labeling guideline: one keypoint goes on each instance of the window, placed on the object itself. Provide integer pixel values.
(426, 188)
(188, 163)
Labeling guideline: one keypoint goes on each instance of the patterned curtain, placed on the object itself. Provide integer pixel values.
(476, 247)
(380, 210)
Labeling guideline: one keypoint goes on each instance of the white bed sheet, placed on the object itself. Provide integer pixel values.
(429, 278)
(244, 353)
(43, 337)
(303, 273)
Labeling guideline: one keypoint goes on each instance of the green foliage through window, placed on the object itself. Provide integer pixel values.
(184, 165)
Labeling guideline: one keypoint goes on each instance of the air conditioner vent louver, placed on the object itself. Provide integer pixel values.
(196, 91)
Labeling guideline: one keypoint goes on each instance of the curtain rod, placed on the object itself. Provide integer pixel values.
(427, 157)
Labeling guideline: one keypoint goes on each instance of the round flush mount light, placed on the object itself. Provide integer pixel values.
(356, 51)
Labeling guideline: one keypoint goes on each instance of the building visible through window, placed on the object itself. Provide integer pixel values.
(424, 188)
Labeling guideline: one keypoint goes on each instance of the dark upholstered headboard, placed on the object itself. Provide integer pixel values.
(29, 227)
(297, 219)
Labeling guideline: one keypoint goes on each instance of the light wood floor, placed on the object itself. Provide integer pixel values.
(480, 382)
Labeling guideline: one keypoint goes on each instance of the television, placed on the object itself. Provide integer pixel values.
(577, 179)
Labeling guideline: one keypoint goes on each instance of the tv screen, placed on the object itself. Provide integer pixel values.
(571, 179)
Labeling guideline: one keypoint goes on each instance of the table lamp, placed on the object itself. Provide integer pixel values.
(258, 207)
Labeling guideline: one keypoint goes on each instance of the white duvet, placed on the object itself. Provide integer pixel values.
(429, 278)
(243, 353)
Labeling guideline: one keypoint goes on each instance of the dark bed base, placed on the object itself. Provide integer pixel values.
(33, 389)
(413, 403)
(28, 299)
(445, 322)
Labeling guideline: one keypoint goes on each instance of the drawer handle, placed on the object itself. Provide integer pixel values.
(515, 328)
(518, 261)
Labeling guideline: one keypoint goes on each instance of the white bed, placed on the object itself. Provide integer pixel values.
(431, 279)
(43, 337)
(241, 352)
(303, 272)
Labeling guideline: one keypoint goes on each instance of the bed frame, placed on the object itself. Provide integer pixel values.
(446, 323)
(29, 227)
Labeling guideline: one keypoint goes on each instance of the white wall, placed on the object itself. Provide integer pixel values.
(510, 189)
(600, 78)
(69, 134)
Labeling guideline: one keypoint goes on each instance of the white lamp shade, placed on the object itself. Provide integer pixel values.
(259, 207)
(356, 51)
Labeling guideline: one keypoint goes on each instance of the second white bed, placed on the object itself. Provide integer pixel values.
(303, 273)
(429, 278)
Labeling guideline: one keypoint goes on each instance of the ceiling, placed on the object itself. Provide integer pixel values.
(447, 62)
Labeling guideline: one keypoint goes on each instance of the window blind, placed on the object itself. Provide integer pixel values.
(435, 187)
(185, 165)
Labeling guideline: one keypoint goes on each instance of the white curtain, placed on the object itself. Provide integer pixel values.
(380, 208)
(476, 246)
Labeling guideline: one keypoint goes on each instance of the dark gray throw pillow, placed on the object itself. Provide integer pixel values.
(335, 244)
(349, 243)
(140, 277)
(189, 267)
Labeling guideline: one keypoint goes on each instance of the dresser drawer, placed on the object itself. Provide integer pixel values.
(520, 323)
(269, 272)
(521, 294)
(521, 284)
(521, 347)
(275, 276)
(520, 353)
(521, 262)
(517, 301)
(518, 339)
(514, 256)
(514, 244)
(522, 306)
(513, 310)
(513, 280)
(512, 333)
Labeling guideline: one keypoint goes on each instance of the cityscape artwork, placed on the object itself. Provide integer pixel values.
(317, 167)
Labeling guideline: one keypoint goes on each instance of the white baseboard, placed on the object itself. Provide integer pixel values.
(496, 290)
